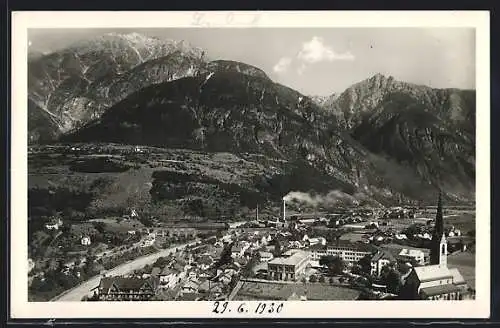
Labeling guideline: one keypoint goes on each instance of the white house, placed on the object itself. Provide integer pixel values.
(192, 275)
(316, 241)
(54, 224)
(425, 236)
(148, 241)
(239, 249)
(191, 286)
(85, 241)
(31, 265)
(400, 236)
(416, 254)
(266, 256)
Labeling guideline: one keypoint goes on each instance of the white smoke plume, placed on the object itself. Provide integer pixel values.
(335, 197)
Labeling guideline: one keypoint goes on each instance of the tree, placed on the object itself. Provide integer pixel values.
(278, 250)
(66, 228)
(392, 279)
(365, 264)
(219, 234)
(334, 263)
(225, 257)
(330, 280)
(321, 279)
(313, 278)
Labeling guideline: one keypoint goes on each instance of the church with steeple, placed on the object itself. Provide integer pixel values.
(435, 281)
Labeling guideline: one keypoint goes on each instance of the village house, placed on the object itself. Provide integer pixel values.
(192, 274)
(265, 256)
(125, 289)
(204, 262)
(278, 223)
(85, 241)
(31, 264)
(289, 266)
(239, 249)
(54, 224)
(412, 255)
(171, 276)
(380, 260)
(419, 256)
(190, 287)
(315, 241)
(148, 240)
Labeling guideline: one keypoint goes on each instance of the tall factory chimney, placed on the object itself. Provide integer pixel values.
(284, 209)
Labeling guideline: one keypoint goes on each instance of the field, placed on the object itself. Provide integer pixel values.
(463, 219)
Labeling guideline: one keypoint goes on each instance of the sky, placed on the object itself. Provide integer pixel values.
(318, 61)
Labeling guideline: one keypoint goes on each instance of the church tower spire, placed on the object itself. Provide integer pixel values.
(439, 217)
(438, 233)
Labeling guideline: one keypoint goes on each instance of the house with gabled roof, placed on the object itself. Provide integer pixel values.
(125, 289)
(379, 260)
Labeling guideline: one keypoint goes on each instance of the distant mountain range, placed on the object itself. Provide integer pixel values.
(380, 138)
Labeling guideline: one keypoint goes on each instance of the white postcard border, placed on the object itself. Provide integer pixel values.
(22, 21)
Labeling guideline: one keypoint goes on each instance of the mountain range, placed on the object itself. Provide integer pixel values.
(380, 139)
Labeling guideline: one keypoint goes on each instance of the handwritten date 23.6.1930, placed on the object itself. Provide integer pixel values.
(242, 308)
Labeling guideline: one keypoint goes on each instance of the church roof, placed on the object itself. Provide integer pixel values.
(432, 272)
(438, 290)
(457, 276)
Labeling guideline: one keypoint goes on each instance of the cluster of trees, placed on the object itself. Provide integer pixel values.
(278, 248)
(391, 277)
(55, 280)
(320, 279)
(225, 257)
(99, 165)
(334, 264)
(247, 270)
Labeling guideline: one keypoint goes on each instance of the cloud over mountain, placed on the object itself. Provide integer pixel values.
(312, 52)
(282, 65)
(316, 50)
